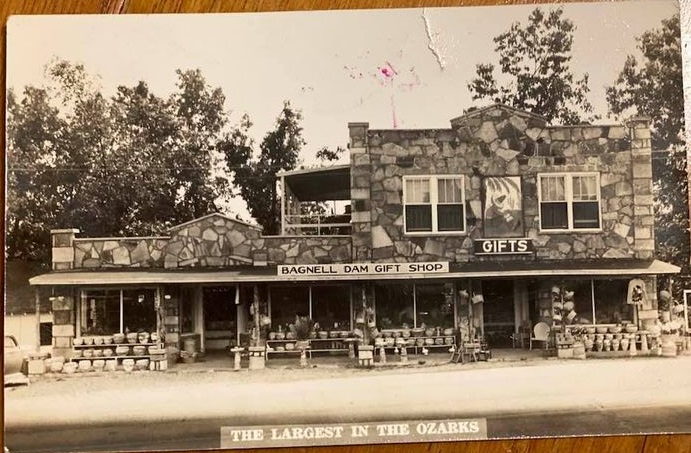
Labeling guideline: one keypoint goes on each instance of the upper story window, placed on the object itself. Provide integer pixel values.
(569, 201)
(434, 204)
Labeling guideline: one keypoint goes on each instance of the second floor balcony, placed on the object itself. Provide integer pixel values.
(316, 202)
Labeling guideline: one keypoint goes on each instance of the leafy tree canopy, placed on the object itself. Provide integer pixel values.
(651, 85)
(256, 174)
(535, 73)
(132, 164)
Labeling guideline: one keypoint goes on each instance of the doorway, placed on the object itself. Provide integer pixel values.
(220, 317)
(498, 312)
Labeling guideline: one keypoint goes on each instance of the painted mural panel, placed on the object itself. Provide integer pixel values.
(503, 212)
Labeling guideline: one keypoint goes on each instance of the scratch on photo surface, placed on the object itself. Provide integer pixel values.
(433, 37)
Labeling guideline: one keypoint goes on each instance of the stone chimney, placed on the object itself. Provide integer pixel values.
(641, 155)
(360, 182)
(62, 243)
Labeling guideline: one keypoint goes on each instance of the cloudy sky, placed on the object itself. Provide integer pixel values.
(335, 66)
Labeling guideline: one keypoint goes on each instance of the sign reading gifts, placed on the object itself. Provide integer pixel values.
(503, 246)
(431, 267)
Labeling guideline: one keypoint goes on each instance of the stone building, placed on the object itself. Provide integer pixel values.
(480, 227)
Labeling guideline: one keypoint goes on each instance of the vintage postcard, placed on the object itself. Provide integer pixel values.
(345, 227)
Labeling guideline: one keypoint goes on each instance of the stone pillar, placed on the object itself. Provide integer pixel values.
(62, 243)
(641, 155)
(63, 325)
(360, 185)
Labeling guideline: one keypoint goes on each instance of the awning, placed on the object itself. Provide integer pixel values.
(319, 184)
(499, 269)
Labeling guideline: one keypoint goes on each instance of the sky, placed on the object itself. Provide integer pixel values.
(400, 68)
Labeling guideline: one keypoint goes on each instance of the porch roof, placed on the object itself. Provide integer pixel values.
(486, 269)
(319, 184)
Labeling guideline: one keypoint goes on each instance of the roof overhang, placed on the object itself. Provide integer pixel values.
(611, 268)
(319, 184)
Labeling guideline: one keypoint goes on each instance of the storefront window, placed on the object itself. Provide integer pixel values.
(434, 305)
(112, 311)
(394, 305)
(598, 301)
(610, 302)
(331, 306)
(288, 302)
(187, 310)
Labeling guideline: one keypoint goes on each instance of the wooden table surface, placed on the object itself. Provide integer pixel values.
(632, 444)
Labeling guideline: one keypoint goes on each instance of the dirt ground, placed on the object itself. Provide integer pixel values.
(217, 368)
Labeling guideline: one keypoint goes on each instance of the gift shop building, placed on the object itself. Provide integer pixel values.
(486, 227)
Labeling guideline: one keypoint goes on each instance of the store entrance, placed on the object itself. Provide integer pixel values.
(498, 312)
(220, 317)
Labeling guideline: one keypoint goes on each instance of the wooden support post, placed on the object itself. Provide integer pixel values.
(38, 319)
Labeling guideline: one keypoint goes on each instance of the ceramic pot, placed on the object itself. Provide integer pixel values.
(128, 365)
(131, 338)
(272, 335)
(69, 367)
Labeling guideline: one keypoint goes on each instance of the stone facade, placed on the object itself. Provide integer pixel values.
(501, 141)
(211, 241)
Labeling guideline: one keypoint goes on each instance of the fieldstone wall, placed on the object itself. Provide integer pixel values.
(119, 252)
(500, 141)
(308, 249)
(211, 241)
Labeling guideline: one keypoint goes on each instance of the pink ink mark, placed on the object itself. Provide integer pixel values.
(388, 70)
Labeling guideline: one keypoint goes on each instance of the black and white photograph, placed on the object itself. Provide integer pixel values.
(294, 229)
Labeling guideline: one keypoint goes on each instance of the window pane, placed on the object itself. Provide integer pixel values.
(584, 188)
(418, 218)
(610, 302)
(434, 303)
(586, 214)
(287, 302)
(100, 312)
(138, 312)
(552, 188)
(331, 306)
(394, 305)
(553, 216)
(449, 190)
(450, 217)
(417, 191)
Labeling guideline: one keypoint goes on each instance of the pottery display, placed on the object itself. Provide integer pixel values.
(128, 364)
(111, 365)
(118, 338)
(272, 335)
(98, 341)
(142, 364)
(122, 350)
(107, 352)
(78, 341)
(69, 367)
(139, 350)
(107, 340)
(131, 338)
(87, 353)
(84, 365)
(98, 365)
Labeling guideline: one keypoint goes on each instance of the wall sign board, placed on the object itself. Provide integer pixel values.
(515, 246)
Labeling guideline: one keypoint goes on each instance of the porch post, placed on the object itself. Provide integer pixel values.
(283, 205)
(38, 319)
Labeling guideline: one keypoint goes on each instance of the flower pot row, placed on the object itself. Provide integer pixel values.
(117, 338)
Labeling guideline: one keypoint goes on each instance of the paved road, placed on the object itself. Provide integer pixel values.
(608, 396)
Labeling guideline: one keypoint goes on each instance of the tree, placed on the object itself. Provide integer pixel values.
(133, 164)
(652, 86)
(534, 60)
(256, 176)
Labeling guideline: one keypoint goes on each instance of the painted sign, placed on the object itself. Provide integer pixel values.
(503, 212)
(352, 433)
(431, 267)
(501, 246)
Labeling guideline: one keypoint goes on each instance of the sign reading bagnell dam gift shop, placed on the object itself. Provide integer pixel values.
(364, 268)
